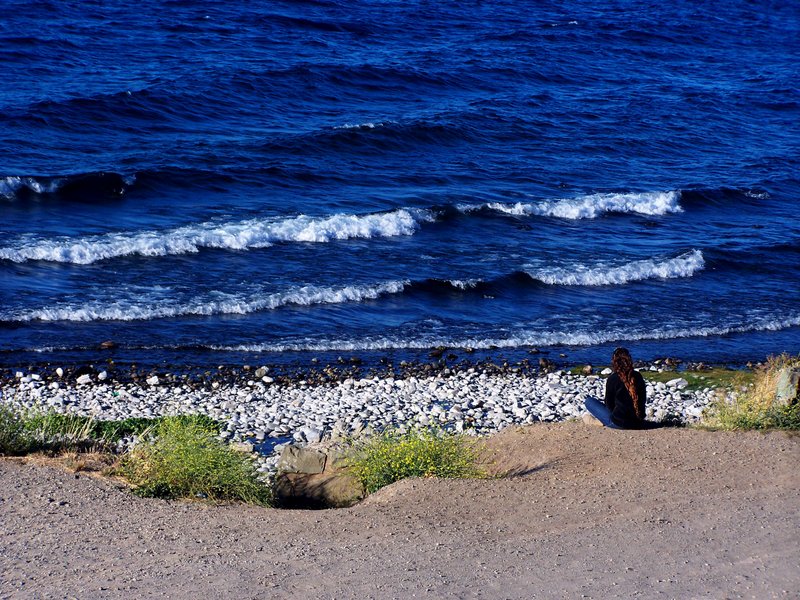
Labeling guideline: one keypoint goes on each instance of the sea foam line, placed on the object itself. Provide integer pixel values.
(684, 265)
(521, 339)
(242, 235)
(590, 206)
(219, 304)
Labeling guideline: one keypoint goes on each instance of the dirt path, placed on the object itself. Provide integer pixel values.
(589, 513)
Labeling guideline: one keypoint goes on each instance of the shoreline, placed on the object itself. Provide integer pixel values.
(269, 409)
(442, 361)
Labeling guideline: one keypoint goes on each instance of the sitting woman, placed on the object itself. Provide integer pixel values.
(625, 395)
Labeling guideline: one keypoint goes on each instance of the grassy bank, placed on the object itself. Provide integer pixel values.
(176, 457)
(384, 458)
(751, 403)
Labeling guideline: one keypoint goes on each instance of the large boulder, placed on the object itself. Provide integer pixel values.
(316, 478)
(333, 489)
(298, 459)
(787, 388)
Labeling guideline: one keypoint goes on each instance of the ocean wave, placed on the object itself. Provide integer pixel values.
(81, 187)
(11, 186)
(217, 304)
(366, 125)
(241, 235)
(684, 265)
(520, 340)
(384, 136)
(590, 206)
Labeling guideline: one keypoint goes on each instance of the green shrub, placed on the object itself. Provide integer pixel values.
(753, 406)
(183, 458)
(14, 436)
(391, 456)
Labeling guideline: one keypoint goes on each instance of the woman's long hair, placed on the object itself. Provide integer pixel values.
(622, 363)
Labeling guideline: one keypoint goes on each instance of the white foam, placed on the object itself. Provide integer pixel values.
(465, 284)
(9, 186)
(520, 339)
(242, 235)
(684, 265)
(591, 206)
(367, 125)
(219, 304)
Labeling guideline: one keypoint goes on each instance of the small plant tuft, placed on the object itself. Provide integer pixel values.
(183, 458)
(384, 458)
(752, 406)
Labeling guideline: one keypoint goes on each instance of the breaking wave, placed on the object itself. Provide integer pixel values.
(261, 233)
(684, 265)
(82, 187)
(590, 206)
(242, 235)
(220, 304)
(10, 187)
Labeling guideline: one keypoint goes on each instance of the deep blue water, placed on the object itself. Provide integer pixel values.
(223, 181)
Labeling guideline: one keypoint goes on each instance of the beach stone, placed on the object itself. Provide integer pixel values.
(678, 382)
(152, 380)
(296, 459)
(102, 376)
(312, 435)
(244, 447)
(84, 379)
(60, 372)
(590, 419)
(607, 371)
(787, 386)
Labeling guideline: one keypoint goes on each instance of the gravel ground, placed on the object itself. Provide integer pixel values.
(587, 512)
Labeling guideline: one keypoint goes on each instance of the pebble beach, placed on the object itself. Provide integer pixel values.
(267, 410)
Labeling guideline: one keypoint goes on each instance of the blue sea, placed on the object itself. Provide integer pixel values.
(208, 182)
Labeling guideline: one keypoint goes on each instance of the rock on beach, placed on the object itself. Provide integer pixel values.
(472, 400)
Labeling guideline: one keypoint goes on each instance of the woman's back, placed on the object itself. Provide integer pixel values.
(619, 402)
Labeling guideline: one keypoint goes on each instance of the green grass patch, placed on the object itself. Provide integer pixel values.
(182, 458)
(752, 404)
(15, 439)
(716, 377)
(384, 458)
(53, 425)
(49, 431)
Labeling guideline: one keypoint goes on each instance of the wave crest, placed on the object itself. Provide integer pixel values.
(221, 304)
(591, 206)
(82, 187)
(10, 187)
(684, 265)
(242, 235)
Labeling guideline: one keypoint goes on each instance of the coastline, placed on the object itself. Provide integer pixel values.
(269, 407)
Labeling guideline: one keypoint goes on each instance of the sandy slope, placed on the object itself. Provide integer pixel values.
(589, 512)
